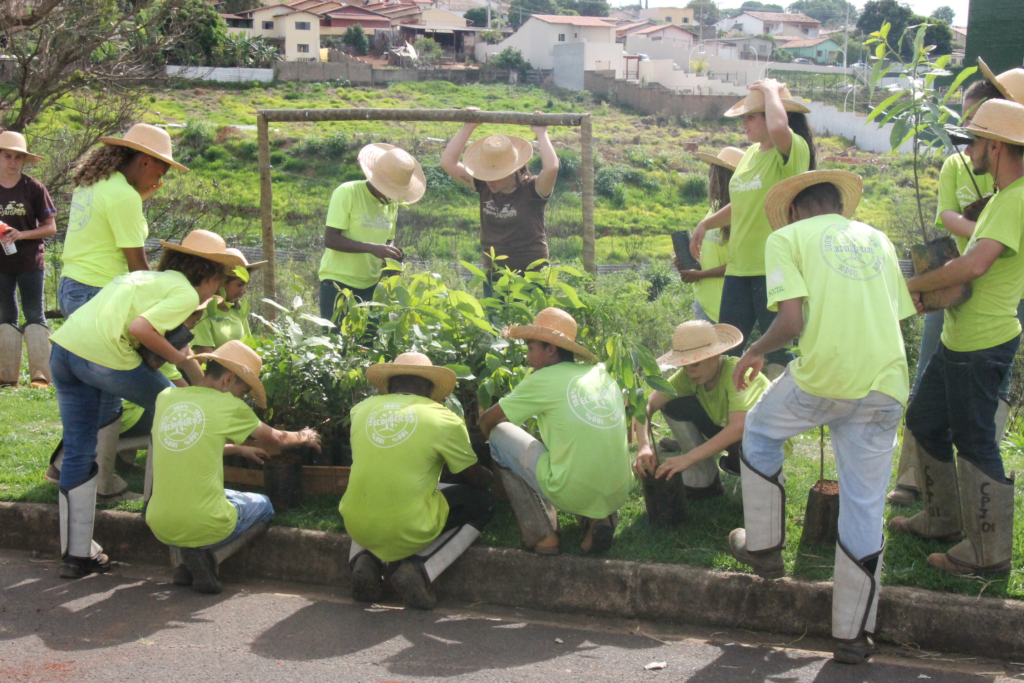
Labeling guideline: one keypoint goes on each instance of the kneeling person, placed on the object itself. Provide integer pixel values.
(394, 508)
(193, 429)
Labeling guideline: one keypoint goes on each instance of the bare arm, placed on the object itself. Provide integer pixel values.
(450, 160)
(549, 161)
(333, 239)
(957, 224)
(47, 228)
(276, 438)
(646, 462)
(147, 335)
(962, 270)
(729, 435)
(136, 257)
(718, 219)
(490, 419)
(786, 327)
(775, 115)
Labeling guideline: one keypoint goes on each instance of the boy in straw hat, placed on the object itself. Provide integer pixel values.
(228, 318)
(193, 429)
(394, 508)
(837, 284)
(26, 219)
(361, 220)
(956, 402)
(582, 466)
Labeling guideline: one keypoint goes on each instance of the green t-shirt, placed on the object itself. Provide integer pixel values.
(132, 413)
(218, 327)
(98, 331)
(105, 218)
(957, 191)
(582, 419)
(399, 444)
(724, 398)
(755, 175)
(361, 217)
(714, 252)
(854, 297)
(989, 317)
(191, 426)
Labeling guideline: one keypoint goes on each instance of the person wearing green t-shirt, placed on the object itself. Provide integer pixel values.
(228, 318)
(193, 429)
(783, 147)
(957, 400)
(361, 221)
(836, 284)
(107, 230)
(394, 508)
(581, 465)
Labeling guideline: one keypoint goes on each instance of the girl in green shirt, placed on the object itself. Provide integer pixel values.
(228, 319)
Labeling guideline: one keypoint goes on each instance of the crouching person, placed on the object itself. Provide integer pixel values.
(193, 429)
(394, 508)
(583, 466)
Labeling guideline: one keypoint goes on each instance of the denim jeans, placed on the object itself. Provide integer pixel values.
(955, 405)
(513, 448)
(330, 290)
(863, 437)
(89, 397)
(744, 304)
(72, 295)
(30, 286)
(253, 508)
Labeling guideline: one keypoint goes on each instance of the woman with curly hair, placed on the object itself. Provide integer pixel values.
(106, 229)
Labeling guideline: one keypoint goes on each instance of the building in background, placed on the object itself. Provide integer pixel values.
(772, 24)
(680, 16)
(295, 32)
(537, 38)
(817, 50)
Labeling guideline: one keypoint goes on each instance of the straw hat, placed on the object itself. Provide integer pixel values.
(729, 158)
(245, 262)
(148, 139)
(754, 102)
(393, 172)
(697, 340)
(1001, 120)
(379, 374)
(554, 326)
(776, 204)
(15, 142)
(244, 362)
(497, 156)
(1009, 83)
(208, 245)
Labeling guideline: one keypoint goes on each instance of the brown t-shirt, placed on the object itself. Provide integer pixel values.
(513, 224)
(23, 207)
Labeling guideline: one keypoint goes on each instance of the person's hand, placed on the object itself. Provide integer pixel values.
(671, 467)
(467, 124)
(11, 235)
(766, 85)
(691, 276)
(311, 438)
(252, 454)
(697, 239)
(918, 302)
(539, 130)
(645, 463)
(151, 190)
(750, 361)
(385, 251)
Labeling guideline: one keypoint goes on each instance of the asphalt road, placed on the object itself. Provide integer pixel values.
(134, 624)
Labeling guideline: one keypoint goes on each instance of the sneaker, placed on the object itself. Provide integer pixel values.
(367, 579)
(767, 565)
(411, 583)
(40, 384)
(598, 534)
(182, 576)
(856, 652)
(76, 567)
(203, 569)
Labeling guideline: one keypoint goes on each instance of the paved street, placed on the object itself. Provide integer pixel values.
(134, 624)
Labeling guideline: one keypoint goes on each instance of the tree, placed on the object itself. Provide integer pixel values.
(521, 10)
(879, 12)
(938, 34)
(831, 13)
(945, 13)
(236, 6)
(755, 6)
(428, 51)
(512, 59)
(356, 39)
(591, 8)
(477, 17)
(706, 11)
(202, 40)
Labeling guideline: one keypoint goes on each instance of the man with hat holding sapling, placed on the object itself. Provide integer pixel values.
(836, 284)
(394, 508)
(581, 466)
(361, 222)
(193, 429)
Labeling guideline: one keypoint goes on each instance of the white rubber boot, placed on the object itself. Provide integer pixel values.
(37, 343)
(855, 604)
(10, 356)
(702, 479)
(907, 489)
(77, 510)
(760, 542)
(111, 488)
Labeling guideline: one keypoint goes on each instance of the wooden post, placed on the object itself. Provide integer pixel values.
(266, 216)
(587, 173)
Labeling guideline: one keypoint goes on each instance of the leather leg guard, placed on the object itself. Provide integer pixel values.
(56, 463)
(10, 355)
(111, 487)
(764, 509)
(701, 480)
(77, 511)
(1002, 417)
(537, 518)
(447, 548)
(940, 518)
(907, 489)
(855, 604)
(37, 343)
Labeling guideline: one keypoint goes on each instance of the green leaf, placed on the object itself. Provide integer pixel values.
(461, 371)
(241, 272)
(661, 384)
(276, 305)
(570, 293)
(883, 105)
(883, 33)
(316, 320)
(473, 269)
(960, 78)
(403, 296)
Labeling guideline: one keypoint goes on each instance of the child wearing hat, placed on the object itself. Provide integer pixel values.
(193, 429)
(228, 318)
(394, 509)
(28, 214)
(361, 222)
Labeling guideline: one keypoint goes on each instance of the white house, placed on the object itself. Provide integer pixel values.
(537, 37)
(295, 32)
(772, 24)
(680, 16)
(668, 32)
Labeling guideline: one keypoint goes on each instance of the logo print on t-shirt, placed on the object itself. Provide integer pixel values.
(506, 211)
(595, 401)
(81, 208)
(13, 208)
(389, 424)
(377, 222)
(181, 426)
(739, 185)
(965, 196)
(851, 254)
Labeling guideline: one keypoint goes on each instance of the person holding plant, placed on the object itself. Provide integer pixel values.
(361, 220)
(512, 201)
(783, 146)
(837, 285)
(582, 464)
(228, 318)
(394, 508)
(26, 219)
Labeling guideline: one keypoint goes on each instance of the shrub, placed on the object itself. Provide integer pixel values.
(608, 178)
(196, 136)
(356, 39)
(331, 147)
(428, 51)
(511, 59)
(694, 189)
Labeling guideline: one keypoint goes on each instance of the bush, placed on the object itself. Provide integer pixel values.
(332, 147)
(694, 189)
(196, 136)
(428, 51)
(511, 59)
(608, 178)
(356, 39)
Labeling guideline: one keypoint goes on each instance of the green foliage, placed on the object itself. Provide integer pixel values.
(944, 13)
(755, 6)
(608, 178)
(694, 189)
(203, 38)
(512, 59)
(492, 37)
(831, 13)
(584, 8)
(239, 50)
(356, 39)
(428, 51)
(236, 6)
(195, 137)
(476, 16)
(706, 11)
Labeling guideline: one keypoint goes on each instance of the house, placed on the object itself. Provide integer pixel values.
(460, 7)
(680, 16)
(434, 16)
(818, 50)
(742, 47)
(336, 17)
(295, 32)
(457, 41)
(537, 37)
(627, 15)
(668, 33)
(623, 30)
(398, 12)
(959, 37)
(771, 24)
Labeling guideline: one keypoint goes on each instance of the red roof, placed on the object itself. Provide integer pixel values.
(805, 42)
(655, 29)
(576, 21)
(777, 16)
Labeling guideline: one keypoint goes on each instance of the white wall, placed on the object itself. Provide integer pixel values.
(537, 39)
(664, 73)
(221, 74)
(571, 60)
(828, 120)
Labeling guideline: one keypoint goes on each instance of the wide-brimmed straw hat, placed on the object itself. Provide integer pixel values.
(697, 340)
(1001, 120)
(15, 142)
(208, 245)
(245, 262)
(497, 156)
(148, 139)
(393, 171)
(411, 363)
(244, 362)
(729, 158)
(776, 204)
(754, 102)
(554, 326)
(1009, 83)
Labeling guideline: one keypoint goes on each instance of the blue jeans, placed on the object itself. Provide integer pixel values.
(955, 405)
(89, 397)
(330, 291)
(253, 508)
(744, 304)
(30, 286)
(72, 295)
(514, 449)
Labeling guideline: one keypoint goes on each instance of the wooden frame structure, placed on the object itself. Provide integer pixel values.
(265, 116)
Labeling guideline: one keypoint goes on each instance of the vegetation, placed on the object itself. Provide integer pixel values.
(428, 51)
(512, 59)
(356, 39)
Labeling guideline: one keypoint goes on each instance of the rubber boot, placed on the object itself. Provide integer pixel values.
(37, 343)
(855, 604)
(940, 518)
(759, 544)
(367, 574)
(127, 451)
(907, 490)
(773, 371)
(112, 488)
(80, 554)
(182, 576)
(10, 356)
(537, 518)
(204, 564)
(56, 462)
(411, 582)
(700, 480)
(987, 510)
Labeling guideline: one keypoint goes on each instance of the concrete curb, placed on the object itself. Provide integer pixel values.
(987, 627)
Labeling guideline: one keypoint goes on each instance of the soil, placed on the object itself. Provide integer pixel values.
(827, 487)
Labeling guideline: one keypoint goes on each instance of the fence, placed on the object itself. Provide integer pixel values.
(221, 74)
(354, 71)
